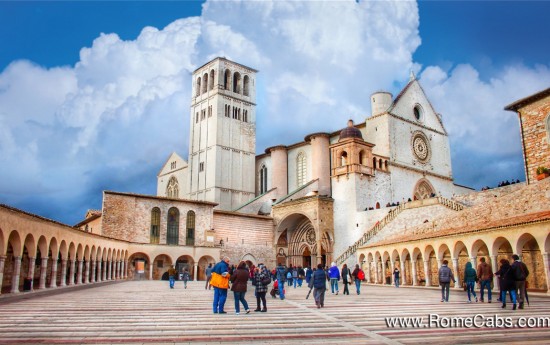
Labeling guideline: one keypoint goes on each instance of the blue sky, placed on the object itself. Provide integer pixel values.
(92, 101)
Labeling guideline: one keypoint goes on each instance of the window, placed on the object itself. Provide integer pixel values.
(173, 226)
(263, 179)
(227, 111)
(380, 163)
(245, 115)
(227, 79)
(197, 118)
(205, 83)
(201, 166)
(172, 189)
(190, 238)
(237, 82)
(362, 157)
(209, 111)
(301, 169)
(344, 159)
(374, 163)
(155, 225)
(246, 81)
(203, 114)
(198, 86)
(173, 165)
(417, 110)
(211, 86)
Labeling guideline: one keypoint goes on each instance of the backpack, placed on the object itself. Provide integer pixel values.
(361, 275)
(288, 275)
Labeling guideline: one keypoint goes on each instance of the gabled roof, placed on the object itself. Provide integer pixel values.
(170, 159)
(528, 100)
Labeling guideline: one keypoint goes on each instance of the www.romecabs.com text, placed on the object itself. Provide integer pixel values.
(475, 321)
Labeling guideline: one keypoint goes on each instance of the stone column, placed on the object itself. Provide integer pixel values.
(427, 273)
(414, 273)
(368, 271)
(494, 265)
(92, 273)
(195, 272)
(104, 271)
(31, 271)
(392, 278)
(473, 260)
(87, 273)
(72, 268)
(80, 274)
(63, 272)
(150, 271)
(546, 263)
(15, 274)
(403, 274)
(99, 276)
(2, 262)
(458, 284)
(43, 273)
(53, 280)
(319, 248)
(109, 270)
(125, 270)
(120, 265)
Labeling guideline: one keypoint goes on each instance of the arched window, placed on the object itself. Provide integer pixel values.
(374, 163)
(263, 179)
(246, 81)
(237, 82)
(172, 189)
(205, 83)
(212, 74)
(380, 163)
(301, 169)
(227, 79)
(190, 238)
(155, 225)
(173, 226)
(198, 87)
(377, 205)
(362, 157)
(344, 158)
(386, 165)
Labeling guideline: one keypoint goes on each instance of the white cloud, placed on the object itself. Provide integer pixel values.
(116, 115)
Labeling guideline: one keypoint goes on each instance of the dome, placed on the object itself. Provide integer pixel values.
(350, 132)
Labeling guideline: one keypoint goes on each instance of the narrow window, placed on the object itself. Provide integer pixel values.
(205, 83)
(245, 115)
(190, 236)
(197, 118)
(198, 87)
(237, 82)
(380, 163)
(344, 158)
(263, 179)
(173, 226)
(212, 74)
(374, 163)
(201, 166)
(155, 225)
(227, 80)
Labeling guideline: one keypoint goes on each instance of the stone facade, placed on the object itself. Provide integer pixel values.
(534, 119)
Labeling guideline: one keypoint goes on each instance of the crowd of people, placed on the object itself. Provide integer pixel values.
(502, 184)
(512, 278)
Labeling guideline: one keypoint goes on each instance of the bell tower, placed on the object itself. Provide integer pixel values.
(222, 141)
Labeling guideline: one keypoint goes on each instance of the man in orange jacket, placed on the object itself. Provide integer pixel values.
(220, 282)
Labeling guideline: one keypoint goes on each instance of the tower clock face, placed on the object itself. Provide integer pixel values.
(421, 147)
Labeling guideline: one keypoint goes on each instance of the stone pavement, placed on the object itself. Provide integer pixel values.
(148, 312)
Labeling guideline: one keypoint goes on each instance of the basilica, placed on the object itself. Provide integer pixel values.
(379, 193)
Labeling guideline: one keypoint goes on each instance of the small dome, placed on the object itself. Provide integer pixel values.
(350, 132)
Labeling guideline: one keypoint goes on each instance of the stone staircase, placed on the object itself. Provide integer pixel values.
(392, 214)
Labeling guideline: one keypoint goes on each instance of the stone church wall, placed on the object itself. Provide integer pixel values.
(245, 234)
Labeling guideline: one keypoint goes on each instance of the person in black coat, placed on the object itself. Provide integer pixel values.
(319, 284)
(507, 282)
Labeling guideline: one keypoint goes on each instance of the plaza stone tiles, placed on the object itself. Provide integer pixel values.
(146, 312)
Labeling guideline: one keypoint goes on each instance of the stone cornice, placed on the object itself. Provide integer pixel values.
(420, 171)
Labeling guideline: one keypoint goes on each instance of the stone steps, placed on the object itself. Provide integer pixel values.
(148, 312)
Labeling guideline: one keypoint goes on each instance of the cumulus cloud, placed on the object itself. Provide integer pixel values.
(110, 121)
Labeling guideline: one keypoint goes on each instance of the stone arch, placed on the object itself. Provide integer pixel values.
(161, 264)
(204, 261)
(460, 254)
(530, 253)
(479, 249)
(80, 252)
(423, 189)
(433, 268)
(246, 87)
(198, 87)
(386, 268)
(444, 253)
(184, 262)
(237, 82)
(2, 244)
(211, 80)
(418, 262)
(139, 266)
(249, 258)
(205, 82)
(371, 264)
(227, 80)
(378, 267)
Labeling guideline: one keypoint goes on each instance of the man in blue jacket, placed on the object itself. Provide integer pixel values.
(220, 293)
(281, 276)
(319, 284)
(334, 275)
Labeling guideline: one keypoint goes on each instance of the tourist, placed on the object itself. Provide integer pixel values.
(334, 275)
(172, 276)
(295, 276)
(261, 278)
(520, 274)
(507, 282)
(445, 276)
(185, 277)
(396, 276)
(356, 274)
(309, 272)
(289, 275)
(281, 274)
(470, 277)
(301, 275)
(239, 282)
(345, 275)
(485, 276)
(220, 282)
(319, 284)
(208, 276)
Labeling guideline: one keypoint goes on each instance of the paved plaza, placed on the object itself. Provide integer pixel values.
(148, 312)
